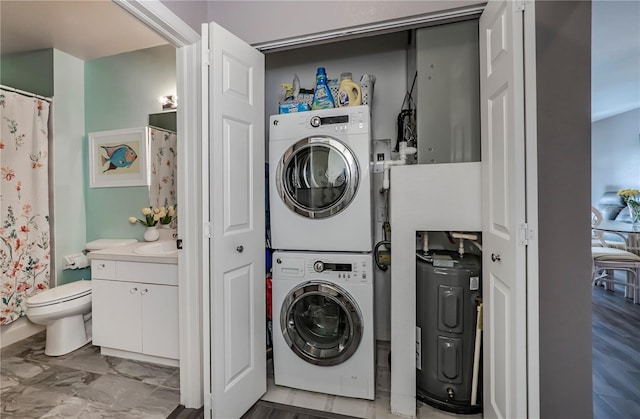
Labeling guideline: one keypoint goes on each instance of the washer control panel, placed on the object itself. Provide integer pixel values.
(351, 271)
(335, 267)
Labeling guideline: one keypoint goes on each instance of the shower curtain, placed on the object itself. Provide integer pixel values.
(24, 202)
(163, 168)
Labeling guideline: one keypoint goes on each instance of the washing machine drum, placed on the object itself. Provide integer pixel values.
(321, 323)
(317, 177)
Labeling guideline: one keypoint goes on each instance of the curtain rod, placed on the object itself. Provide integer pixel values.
(22, 92)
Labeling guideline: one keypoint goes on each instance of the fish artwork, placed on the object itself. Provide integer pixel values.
(119, 156)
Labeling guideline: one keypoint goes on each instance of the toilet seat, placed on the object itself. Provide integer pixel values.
(60, 294)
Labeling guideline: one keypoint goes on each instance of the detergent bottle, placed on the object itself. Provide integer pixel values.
(349, 93)
(322, 98)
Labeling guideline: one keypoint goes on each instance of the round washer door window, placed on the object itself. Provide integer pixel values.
(321, 323)
(317, 177)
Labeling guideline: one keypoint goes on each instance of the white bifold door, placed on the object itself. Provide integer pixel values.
(234, 108)
(503, 207)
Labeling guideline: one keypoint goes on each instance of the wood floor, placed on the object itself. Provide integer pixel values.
(616, 355)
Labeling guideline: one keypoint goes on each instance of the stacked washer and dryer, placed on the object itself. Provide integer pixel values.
(321, 231)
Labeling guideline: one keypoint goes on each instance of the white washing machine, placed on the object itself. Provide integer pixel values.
(323, 331)
(319, 183)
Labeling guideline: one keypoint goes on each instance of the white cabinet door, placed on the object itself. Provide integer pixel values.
(237, 374)
(117, 315)
(160, 320)
(503, 210)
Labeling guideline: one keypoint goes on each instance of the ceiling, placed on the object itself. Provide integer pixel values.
(99, 28)
(84, 29)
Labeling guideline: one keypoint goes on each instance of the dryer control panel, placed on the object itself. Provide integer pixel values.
(349, 120)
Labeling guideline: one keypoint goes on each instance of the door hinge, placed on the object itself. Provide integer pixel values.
(526, 234)
(207, 230)
(521, 5)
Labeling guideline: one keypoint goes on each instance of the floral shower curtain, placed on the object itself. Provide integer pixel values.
(24, 206)
(163, 168)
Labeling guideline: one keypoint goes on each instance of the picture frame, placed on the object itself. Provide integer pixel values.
(119, 158)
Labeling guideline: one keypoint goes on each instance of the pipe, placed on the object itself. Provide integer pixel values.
(468, 236)
(476, 356)
(404, 151)
(462, 236)
(425, 242)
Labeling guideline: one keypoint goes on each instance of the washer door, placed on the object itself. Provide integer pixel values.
(317, 177)
(321, 323)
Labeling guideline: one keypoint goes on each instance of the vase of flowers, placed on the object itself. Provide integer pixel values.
(631, 197)
(151, 234)
(151, 218)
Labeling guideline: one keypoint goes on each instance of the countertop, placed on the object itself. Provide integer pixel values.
(126, 253)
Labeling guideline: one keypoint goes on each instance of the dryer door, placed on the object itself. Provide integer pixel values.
(321, 323)
(317, 177)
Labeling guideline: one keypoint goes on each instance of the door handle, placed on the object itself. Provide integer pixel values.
(239, 249)
(132, 290)
(495, 258)
(144, 291)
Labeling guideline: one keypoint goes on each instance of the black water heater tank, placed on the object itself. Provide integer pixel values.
(448, 290)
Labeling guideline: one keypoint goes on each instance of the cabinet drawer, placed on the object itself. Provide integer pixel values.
(149, 273)
(103, 269)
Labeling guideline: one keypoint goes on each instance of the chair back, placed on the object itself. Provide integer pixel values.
(596, 217)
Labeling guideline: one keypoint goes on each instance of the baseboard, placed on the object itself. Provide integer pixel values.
(17, 331)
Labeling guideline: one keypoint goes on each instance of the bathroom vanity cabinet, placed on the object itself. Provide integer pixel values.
(135, 310)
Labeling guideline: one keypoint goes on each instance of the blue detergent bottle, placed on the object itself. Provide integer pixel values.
(322, 98)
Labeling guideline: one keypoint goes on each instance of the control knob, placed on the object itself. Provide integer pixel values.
(318, 266)
(315, 121)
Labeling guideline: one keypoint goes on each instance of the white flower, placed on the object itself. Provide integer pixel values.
(146, 211)
(132, 220)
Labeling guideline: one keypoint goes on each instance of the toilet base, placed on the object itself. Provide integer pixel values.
(66, 335)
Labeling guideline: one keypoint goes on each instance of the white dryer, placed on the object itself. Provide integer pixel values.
(319, 180)
(323, 331)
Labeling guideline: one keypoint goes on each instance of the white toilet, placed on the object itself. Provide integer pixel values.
(65, 309)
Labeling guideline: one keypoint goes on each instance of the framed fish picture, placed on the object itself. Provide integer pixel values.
(119, 158)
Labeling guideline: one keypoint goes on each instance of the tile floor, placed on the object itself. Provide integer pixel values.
(82, 384)
(85, 384)
(369, 409)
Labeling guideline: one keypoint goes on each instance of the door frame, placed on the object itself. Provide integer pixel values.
(159, 18)
(167, 24)
(531, 209)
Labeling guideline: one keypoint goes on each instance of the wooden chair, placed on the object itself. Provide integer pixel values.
(607, 260)
(597, 237)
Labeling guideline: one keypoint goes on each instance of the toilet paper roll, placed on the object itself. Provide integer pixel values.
(76, 261)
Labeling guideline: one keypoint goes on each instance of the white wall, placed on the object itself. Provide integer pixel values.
(264, 21)
(615, 153)
(383, 56)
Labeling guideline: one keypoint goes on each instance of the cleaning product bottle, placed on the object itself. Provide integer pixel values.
(349, 93)
(322, 98)
(288, 91)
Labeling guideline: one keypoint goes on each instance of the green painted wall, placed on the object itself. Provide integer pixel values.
(68, 163)
(30, 71)
(120, 92)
